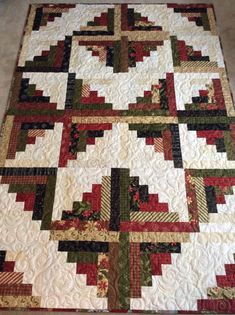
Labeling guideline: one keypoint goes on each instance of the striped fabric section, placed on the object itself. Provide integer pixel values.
(158, 145)
(154, 216)
(201, 64)
(11, 277)
(85, 90)
(105, 198)
(36, 133)
(102, 55)
(201, 200)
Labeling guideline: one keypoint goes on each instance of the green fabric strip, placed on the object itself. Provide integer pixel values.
(229, 145)
(110, 20)
(124, 271)
(94, 106)
(31, 89)
(51, 56)
(194, 106)
(206, 120)
(77, 94)
(48, 203)
(36, 112)
(124, 196)
(116, 57)
(146, 272)
(212, 172)
(149, 127)
(81, 145)
(140, 112)
(175, 53)
(82, 257)
(92, 23)
(205, 22)
(22, 140)
(144, 100)
(137, 15)
(24, 188)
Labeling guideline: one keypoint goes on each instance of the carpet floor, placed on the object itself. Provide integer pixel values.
(117, 163)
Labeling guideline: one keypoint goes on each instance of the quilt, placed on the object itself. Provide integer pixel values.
(117, 163)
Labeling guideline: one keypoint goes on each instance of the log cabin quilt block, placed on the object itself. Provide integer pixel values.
(117, 163)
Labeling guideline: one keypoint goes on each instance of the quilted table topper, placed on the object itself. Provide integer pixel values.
(117, 163)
